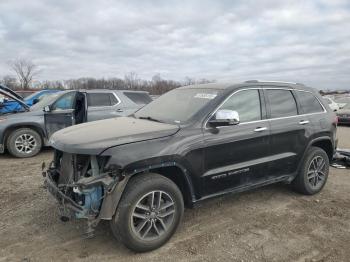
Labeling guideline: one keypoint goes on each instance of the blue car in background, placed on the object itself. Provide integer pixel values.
(11, 106)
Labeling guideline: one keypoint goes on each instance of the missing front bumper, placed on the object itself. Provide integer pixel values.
(63, 200)
(112, 189)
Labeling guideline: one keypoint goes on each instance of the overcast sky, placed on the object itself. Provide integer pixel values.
(306, 41)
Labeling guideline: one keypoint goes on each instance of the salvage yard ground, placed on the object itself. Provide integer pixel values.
(268, 224)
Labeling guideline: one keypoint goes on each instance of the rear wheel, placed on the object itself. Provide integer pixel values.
(24, 142)
(148, 213)
(314, 172)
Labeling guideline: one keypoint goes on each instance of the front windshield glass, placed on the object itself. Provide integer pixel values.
(178, 105)
(46, 100)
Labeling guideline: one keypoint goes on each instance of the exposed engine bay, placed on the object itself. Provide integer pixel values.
(83, 188)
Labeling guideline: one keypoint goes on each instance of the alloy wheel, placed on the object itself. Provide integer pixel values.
(25, 143)
(316, 173)
(153, 215)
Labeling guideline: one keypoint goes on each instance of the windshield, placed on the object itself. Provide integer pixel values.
(178, 105)
(46, 100)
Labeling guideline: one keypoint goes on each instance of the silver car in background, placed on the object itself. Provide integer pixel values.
(24, 133)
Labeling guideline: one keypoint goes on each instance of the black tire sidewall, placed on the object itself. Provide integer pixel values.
(13, 136)
(121, 221)
(313, 152)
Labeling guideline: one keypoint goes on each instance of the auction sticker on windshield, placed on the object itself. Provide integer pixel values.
(205, 96)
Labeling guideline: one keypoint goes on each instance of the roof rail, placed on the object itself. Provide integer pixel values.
(251, 81)
(263, 81)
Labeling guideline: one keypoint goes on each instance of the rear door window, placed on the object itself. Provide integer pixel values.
(309, 103)
(138, 98)
(101, 99)
(282, 103)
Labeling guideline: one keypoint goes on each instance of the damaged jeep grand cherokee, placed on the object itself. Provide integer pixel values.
(190, 144)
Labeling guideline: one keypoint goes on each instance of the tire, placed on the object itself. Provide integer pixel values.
(24, 142)
(127, 220)
(309, 181)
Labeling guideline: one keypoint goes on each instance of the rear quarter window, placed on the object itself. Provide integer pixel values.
(138, 98)
(309, 103)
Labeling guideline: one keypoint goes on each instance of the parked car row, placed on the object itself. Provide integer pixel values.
(24, 132)
(344, 114)
(341, 106)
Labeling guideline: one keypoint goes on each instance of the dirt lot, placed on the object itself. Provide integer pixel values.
(268, 224)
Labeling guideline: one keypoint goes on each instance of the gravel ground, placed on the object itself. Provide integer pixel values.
(269, 224)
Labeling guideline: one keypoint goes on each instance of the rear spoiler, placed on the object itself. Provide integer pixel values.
(11, 94)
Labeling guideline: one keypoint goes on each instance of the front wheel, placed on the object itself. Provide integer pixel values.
(314, 172)
(24, 142)
(148, 213)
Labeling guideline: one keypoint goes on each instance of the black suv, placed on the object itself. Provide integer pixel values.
(191, 144)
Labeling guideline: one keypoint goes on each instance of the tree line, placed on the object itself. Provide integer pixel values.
(26, 71)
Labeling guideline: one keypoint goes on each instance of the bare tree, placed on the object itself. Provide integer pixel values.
(156, 78)
(131, 80)
(10, 82)
(25, 70)
(189, 81)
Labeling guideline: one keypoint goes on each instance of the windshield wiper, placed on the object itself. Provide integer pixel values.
(150, 118)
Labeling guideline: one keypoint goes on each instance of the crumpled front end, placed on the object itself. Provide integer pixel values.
(83, 187)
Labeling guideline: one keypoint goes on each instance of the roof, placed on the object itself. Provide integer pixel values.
(113, 90)
(104, 90)
(209, 86)
(249, 83)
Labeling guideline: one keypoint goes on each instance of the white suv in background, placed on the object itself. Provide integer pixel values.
(333, 105)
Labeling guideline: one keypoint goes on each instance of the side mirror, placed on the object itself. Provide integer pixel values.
(47, 109)
(225, 117)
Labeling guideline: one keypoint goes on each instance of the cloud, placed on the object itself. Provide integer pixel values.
(302, 41)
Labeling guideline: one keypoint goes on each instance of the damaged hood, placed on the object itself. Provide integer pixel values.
(94, 137)
(5, 91)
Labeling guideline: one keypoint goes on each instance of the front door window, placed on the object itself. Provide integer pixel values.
(64, 102)
(247, 105)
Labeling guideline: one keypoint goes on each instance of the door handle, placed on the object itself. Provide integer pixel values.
(304, 122)
(119, 110)
(260, 129)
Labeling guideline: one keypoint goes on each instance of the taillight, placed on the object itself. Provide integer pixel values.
(336, 119)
